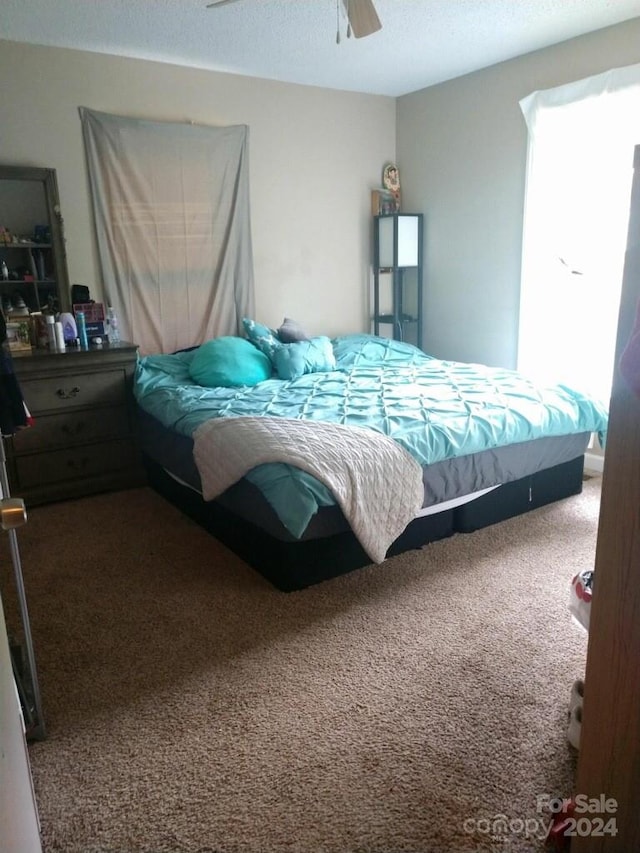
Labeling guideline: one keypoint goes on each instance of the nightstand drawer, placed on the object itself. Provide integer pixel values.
(78, 390)
(73, 463)
(70, 428)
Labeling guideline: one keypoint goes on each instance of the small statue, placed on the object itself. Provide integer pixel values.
(391, 182)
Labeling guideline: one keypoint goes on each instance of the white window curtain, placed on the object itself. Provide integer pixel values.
(579, 171)
(171, 212)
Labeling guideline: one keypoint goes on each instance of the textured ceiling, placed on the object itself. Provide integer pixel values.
(422, 42)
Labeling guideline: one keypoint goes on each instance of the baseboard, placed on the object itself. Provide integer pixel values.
(594, 462)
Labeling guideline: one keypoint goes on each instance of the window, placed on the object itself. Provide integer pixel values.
(579, 173)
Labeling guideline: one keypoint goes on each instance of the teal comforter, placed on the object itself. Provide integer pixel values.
(435, 409)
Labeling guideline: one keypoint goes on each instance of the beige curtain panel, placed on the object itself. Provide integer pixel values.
(171, 213)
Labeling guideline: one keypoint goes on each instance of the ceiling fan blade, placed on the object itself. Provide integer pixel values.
(363, 17)
(220, 3)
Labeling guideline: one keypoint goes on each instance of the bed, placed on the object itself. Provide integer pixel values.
(344, 452)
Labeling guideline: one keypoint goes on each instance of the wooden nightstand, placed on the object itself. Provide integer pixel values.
(83, 440)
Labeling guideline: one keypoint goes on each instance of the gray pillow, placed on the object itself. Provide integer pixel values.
(291, 332)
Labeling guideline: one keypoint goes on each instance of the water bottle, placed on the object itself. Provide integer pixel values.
(82, 330)
(114, 331)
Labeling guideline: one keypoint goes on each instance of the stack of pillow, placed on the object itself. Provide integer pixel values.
(233, 361)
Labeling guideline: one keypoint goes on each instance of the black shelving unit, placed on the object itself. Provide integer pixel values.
(398, 254)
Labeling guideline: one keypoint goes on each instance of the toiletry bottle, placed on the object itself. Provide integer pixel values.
(51, 332)
(69, 328)
(82, 330)
(60, 345)
(114, 329)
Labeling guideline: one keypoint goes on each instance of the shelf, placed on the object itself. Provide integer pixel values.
(392, 318)
(32, 239)
(391, 270)
(397, 255)
(19, 281)
(25, 246)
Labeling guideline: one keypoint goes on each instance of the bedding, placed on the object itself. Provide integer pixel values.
(292, 360)
(439, 412)
(377, 484)
(228, 362)
(446, 484)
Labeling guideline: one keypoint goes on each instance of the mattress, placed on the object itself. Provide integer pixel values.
(447, 484)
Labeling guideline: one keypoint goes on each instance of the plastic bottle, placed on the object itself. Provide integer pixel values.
(51, 332)
(82, 330)
(5, 271)
(60, 345)
(69, 327)
(114, 329)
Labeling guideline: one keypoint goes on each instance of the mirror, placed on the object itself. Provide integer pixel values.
(33, 266)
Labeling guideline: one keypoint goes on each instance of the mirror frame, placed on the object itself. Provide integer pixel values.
(48, 178)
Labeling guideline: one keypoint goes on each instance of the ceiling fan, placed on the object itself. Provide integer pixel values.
(362, 17)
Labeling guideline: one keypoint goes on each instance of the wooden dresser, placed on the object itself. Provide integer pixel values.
(83, 440)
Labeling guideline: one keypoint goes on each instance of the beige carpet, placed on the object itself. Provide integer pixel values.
(191, 707)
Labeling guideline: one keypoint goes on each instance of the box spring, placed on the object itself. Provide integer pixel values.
(522, 495)
(295, 564)
(245, 522)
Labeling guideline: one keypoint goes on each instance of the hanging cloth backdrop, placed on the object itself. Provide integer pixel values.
(171, 211)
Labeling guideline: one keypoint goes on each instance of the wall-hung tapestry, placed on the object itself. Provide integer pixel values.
(171, 212)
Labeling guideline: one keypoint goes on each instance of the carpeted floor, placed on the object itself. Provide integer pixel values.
(403, 707)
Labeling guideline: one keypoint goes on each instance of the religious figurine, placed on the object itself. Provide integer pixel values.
(391, 182)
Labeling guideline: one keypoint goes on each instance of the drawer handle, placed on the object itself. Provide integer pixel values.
(70, 430)
(67, 395)
(78, 464)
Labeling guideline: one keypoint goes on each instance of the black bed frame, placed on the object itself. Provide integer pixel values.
(294, 565)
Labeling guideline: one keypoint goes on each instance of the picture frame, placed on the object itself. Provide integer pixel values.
(20, 334)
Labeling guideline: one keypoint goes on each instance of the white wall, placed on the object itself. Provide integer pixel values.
(315, 154)
(462, 156)
(19, 823)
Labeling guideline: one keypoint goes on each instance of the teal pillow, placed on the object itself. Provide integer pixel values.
(228, 362)
(263, 337)
(312, 356)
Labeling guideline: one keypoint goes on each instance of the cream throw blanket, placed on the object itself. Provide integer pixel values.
(376, 482)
